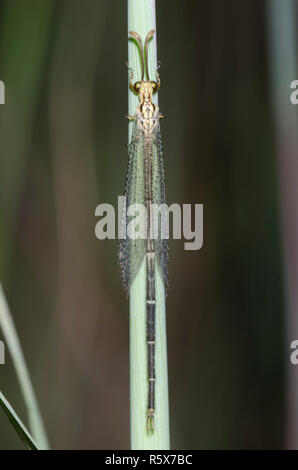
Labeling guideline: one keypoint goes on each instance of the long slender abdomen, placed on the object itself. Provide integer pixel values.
(150, 291)
(150, 306)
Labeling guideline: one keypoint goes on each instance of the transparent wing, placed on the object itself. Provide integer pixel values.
(131, 252)
(159, 197)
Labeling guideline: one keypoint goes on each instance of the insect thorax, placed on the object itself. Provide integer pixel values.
(148, 116)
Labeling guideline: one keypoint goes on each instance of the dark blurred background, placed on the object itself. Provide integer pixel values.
(62, 139)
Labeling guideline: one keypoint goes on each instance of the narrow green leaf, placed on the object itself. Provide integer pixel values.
(17, 424)
(142, 19)
(12, 340)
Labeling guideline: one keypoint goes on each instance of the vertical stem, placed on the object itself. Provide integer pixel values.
(282, 43)
(141, 18)
(11, 337)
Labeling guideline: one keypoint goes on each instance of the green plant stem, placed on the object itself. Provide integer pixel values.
(13, 343)
(141, 18)
(17, 424)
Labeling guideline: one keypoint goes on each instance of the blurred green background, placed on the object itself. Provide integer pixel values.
(63, 138)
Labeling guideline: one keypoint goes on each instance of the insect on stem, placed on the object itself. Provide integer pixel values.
(145, 185)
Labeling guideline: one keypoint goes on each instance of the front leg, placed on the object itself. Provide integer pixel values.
(131, 85)
(157, 114)
(130, 118)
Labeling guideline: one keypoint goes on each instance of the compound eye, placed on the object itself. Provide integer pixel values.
(137, 86)
(154, 86)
